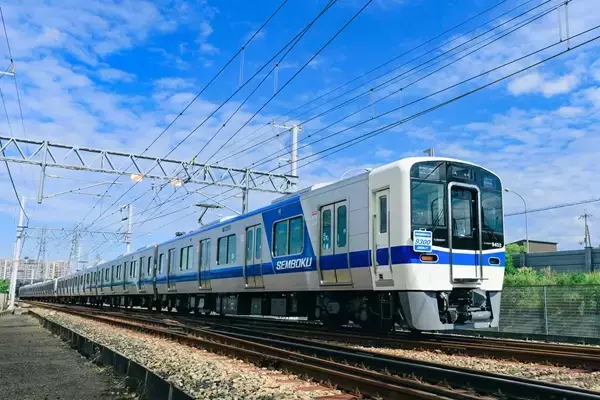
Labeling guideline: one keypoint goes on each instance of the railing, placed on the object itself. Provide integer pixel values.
(551, 310)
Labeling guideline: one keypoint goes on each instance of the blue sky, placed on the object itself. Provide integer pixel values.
(112, 75)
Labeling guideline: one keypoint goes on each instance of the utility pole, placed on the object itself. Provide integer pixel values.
(5, 268)
(429, 152)
(74, 255)
(129, 219)
(41, 256)
(587, 240)
(16, 256)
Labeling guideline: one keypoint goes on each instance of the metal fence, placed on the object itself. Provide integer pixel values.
(585, 260)
(551, 310)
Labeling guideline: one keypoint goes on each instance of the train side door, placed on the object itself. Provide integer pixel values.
(381, 240)
(140, 273)
(171, 269)
(333, 260)
(204, 265)
(253, 259)
(112, 277)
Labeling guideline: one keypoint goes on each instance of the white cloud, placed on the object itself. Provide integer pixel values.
(569, 112)
(115, 75)
(208, 48)
(537, 83)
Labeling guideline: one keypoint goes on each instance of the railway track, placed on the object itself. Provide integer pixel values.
(356, 371)
(567, 355)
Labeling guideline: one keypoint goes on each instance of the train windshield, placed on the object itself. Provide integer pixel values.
(430, 187)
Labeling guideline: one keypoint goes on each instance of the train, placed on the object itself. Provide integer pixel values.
(417, 243)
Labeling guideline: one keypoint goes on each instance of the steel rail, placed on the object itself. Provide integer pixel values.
(271, 345)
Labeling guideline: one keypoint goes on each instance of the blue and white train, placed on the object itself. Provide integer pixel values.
(419, 242)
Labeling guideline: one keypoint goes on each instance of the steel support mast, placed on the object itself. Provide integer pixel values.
(16, 256)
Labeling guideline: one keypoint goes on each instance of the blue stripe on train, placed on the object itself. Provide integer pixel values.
(357, 259)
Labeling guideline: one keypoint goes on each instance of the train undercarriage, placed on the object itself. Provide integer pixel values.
(381, 311)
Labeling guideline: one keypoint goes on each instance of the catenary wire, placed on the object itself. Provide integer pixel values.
(502, 34)
(355, 141)
(250, 135)
(327, 7)
(418, 46)
(180, 114)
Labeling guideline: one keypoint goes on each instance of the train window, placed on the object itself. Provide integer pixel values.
(326, 230)
(170, 261)
(204, 253)
(288, 237)
(134, 268)
(161, 263)
(258, 248)
(280, 240)
(231, 248)
(249, 244)
(149, 269)
(142, 259)
(118, 272)
(427, 204)
(226, 249)
(383, 214)
(491, 205)
(296, 235)
(342, 223)
(187, 255)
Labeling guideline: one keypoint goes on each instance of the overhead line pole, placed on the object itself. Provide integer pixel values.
(16, 256)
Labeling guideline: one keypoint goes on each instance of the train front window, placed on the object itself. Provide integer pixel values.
(427, 205)
(492, 219)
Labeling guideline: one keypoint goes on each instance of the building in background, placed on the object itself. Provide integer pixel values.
(538, 246)
(29, 268)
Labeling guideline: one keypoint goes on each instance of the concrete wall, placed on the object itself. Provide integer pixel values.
(585, 260)
(3, 301)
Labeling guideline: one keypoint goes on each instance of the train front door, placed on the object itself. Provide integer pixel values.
(333, 256)
(464, 232)
(253, 259)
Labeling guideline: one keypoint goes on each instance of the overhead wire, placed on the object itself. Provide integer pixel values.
(190, 103)
(499, 36)
(401, 55)
(300, 34)
(296, 40)
(380, 75)
(352, 142)
(341, 146)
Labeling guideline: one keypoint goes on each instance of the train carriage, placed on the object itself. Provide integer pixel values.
(419, 242)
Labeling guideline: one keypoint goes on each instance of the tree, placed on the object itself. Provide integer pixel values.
(511, 249)
(3, 286)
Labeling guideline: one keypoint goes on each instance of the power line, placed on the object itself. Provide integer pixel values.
(553, 207)
(291, 45)
(300, 34)
(413, 102)
(533, 18)
(354, 141)
(388, 62)
(378, 131)
(231, 59)
(385, 73)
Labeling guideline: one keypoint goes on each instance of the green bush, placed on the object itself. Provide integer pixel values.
(529, 277)
(3, 286)
(510, 250)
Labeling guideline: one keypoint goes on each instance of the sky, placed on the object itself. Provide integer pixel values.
(482, 81)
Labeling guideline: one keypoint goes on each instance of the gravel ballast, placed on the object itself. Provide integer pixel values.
(566, 376)
(202, 374)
